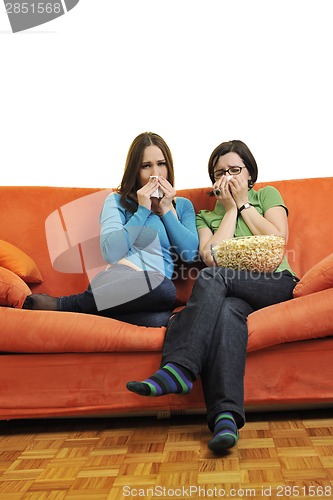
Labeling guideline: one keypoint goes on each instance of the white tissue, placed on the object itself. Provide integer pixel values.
(158, 193)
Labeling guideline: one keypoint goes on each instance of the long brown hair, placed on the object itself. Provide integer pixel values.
(130, 181)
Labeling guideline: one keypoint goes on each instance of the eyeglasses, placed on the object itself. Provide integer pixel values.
(231, 171)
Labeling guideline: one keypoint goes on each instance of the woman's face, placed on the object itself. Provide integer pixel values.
(230, 164)
(153, 163)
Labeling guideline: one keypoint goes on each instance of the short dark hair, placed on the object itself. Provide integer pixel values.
(241, 149)
(130, 181)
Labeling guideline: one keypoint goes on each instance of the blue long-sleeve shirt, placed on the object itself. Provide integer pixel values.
(149, 241)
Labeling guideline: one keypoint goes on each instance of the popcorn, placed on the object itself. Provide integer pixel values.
(261, 253)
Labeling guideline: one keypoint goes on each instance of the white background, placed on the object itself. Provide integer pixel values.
(76, 91)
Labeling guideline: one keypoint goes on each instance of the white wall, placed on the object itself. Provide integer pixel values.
(76, 91)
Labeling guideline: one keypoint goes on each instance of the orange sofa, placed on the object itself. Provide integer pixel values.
(62, 364)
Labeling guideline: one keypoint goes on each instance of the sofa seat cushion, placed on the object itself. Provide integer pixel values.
(53, 331)
(302, 318)
(32, 331)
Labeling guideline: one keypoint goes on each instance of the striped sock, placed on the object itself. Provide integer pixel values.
(171, 379)
(225, 433)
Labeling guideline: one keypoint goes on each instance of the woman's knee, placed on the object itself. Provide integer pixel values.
(232, 306)
(164, 293)
(215, 272)
(207, 274)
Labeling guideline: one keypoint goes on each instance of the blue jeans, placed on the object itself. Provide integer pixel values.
(142, 298)
(209, 336)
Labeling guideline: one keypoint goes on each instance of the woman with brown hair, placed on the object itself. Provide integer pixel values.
(143, 228)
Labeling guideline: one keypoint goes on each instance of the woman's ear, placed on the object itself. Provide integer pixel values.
(250, 183)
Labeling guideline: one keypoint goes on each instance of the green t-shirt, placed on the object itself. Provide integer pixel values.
(262, 200)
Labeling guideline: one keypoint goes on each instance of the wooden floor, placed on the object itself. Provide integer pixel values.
(284, 455)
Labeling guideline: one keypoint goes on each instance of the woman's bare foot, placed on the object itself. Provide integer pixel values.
(41, 301)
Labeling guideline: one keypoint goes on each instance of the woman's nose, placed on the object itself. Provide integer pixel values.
(155, 170)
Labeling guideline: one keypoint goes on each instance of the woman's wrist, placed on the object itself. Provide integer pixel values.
(168, 212)
(244, 208)
(232, 210)
(242, 203)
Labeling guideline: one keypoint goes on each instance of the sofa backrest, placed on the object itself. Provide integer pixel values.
(59, 228)
(39, 221)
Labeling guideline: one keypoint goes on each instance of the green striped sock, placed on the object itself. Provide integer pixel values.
(225, 433)
(171, 379)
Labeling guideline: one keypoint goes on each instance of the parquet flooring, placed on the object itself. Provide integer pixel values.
(279, 455)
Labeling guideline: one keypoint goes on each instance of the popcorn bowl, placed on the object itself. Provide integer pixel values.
(262, 253)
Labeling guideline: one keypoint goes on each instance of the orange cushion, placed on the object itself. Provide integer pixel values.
(303, 318)
(18, 262)
(36, 331)
(319, 277)
(13, 290)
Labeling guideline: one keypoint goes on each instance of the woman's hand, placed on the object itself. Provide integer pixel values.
(225, 196)
(165, 203)
(239, 189)
(144, 193)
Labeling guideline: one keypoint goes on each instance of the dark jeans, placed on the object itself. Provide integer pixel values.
(209, 336)
(142, 298)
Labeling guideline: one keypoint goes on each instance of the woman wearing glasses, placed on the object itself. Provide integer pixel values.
(209, 336)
